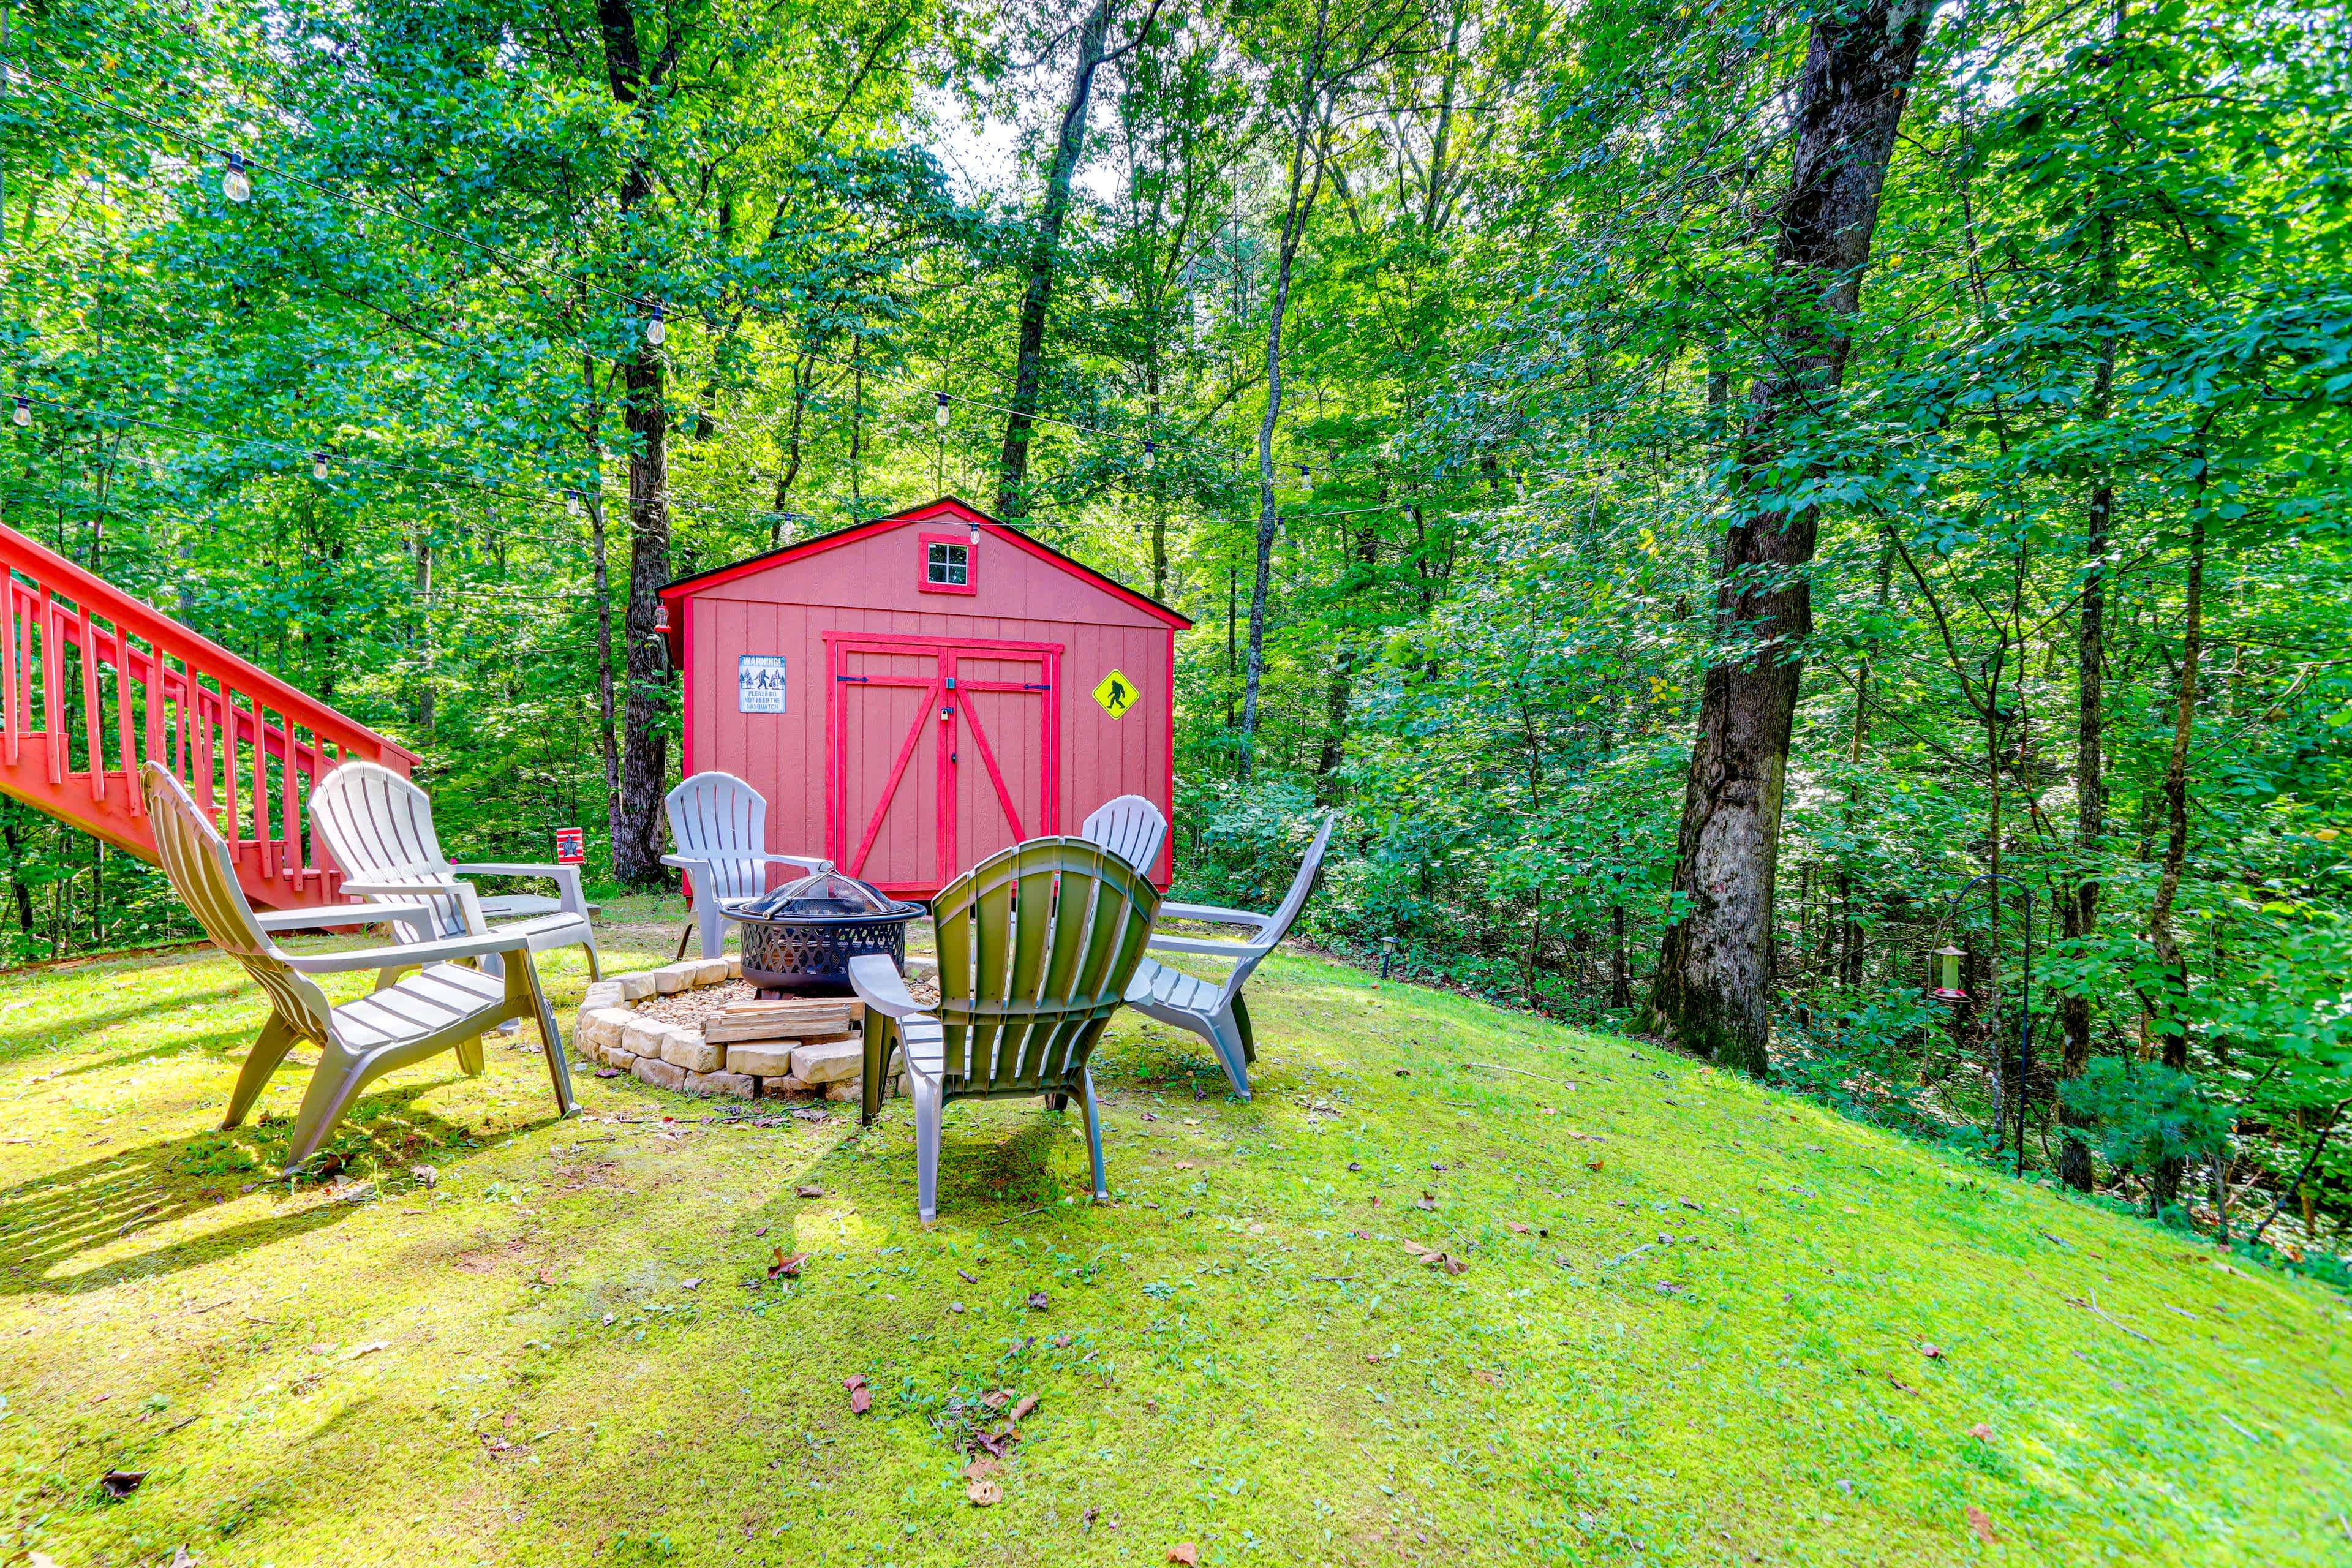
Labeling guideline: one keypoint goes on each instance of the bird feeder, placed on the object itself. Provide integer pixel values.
(1948, 968)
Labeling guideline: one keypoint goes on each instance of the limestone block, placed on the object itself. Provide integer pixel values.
(614, 1057)
(672, 978)
(710, 972)
(601, 994)
(734, 1083)
(603, 1026)
(836, 1061)
(635, 987)
(735, 966)
(659, 1073)
(688, 1050)
(643, 1036)
(767, 1061)
(842, 1091)
(784, 1087)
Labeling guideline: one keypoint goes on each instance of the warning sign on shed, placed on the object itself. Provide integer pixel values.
(1116, 694)
(759, 683)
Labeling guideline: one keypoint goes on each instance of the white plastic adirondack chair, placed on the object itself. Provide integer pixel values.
(1129, 828)
(445, 1008)
(1213, 1009)
(379, 827)
(719, 825)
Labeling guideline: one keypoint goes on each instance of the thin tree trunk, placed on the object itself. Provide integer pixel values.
(645, 754)
(1044, 259)
(2079, 910)
(599, 564)
(1621, 979)
(1303, 186)
(803, 373)
(2172, 1025)
(1713, 986)
(421, 587)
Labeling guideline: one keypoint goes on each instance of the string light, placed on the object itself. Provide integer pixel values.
(233, 184)
(940, 414)
(571, 501)
(319, 465)
(1305, 472)
(23, 414)
(1151, 454)
(655, 330)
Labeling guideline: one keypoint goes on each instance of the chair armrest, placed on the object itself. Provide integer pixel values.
(565, 877)
(813, 862)
(406, 953)
(325, 915)
(422, 888)
(1212, 913)
(684, 862)
(1211, 946)
(880, 986)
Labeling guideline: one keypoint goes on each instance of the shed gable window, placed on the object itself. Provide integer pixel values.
(947, 564)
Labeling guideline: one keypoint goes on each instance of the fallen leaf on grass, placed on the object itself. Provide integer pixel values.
(984, 1494)
(121, 1484)
(1982, 1522)
(1426, 1201)
(1183, 1165)
(1980, 1432)
(1188, 1553)
(608, 1072)
(810, 1191)
(1020, 1411)
(1930, 1351)
(1515, 1226)
(997, 1400)
(369, 1348)
(1593, 1164)
(786, 1268)
(693, 1284)
(1037, 1301)
(1489, 1376)
(966, 1278)
(1905, 1387)
(981, 1467)
(861, 1398)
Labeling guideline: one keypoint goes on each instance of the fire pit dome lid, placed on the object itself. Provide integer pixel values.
(828, 895)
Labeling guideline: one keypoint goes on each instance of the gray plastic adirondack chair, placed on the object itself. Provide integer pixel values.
(379, 827)
(1036, 945)
(1129, 826)
(445, 1008)
(719, 825)
(1213, 1009)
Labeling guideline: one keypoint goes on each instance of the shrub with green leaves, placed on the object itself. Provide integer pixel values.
(2143, 1113)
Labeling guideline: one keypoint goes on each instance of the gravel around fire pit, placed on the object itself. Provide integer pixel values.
(696, 1006)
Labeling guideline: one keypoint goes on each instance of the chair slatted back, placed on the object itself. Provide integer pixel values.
(1130, 827)
(196, 862)
(1277, 925)
(379, 827)
(1036, 945)
(718, 817)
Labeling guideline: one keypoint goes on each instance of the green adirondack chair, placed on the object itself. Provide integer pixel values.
(1036, 946)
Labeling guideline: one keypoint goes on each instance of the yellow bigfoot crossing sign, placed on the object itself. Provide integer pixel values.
(1116, 694)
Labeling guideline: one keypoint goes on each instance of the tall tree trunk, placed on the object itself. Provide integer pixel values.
(13, 836)
(1714, 986)
(1044, 259)
(2078, 910)
(600, 568)
(421, 587)
(645, 754)
(804, 373)
(2172, 1023)
(1304, 185)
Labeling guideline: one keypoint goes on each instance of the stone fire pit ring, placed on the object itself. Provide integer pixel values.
(747, 1048)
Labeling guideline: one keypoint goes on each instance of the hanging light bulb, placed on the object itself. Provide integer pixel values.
(318, 465)
(1305, 472)
(1151, 454)
(571, 501)
(233, 184)
(940, 414)
(23, 414)
(1519, 482)
(655, 330)
(976, 534)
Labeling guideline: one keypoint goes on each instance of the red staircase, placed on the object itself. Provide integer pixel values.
(93, 683)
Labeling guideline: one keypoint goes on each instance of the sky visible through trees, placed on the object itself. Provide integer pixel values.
(1699, 485)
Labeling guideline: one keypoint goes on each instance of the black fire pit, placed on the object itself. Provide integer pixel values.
(801, 936)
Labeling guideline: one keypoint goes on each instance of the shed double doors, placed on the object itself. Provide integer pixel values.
(941, 753)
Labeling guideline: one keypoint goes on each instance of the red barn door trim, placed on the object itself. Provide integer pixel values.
(948, 651)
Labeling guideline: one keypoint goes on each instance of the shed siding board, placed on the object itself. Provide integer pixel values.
(868, 588)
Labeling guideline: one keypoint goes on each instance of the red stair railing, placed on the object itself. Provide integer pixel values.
(248, 745)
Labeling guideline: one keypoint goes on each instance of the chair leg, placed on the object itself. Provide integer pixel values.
(338, 1081)
(684, 937)
(1249, 1035)
(926, 1146)
(470, 1056)
(881, 1040)
(270, 1048)
(531, 994)
(1058, 1101)
(1093, 1134)
(1225, 1039)
(714, 929)
(594, 971)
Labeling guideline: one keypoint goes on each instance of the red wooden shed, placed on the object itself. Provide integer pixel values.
(915, 693)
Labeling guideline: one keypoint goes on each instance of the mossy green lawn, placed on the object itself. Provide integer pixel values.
(1699, 1322)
